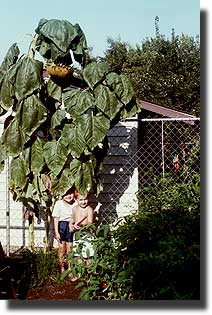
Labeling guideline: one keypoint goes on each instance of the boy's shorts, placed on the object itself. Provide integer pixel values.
(65, 234)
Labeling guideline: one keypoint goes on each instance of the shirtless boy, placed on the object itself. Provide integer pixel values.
(82, 214)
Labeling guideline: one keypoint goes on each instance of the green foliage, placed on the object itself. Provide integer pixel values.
(39, 267)
(163, 71)
(57, 131)
(153, 254)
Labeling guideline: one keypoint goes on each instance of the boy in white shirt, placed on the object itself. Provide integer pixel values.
(61, 214)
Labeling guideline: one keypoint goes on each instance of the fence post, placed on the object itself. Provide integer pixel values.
(162, 148)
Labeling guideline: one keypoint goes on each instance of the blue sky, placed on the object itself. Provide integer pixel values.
(131, 21)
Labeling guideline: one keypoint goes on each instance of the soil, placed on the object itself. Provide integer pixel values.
(56, 291)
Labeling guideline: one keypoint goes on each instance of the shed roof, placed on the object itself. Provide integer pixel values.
(164, 111)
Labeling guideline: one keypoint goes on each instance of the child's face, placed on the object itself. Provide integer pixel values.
(69, 197)
(82, 201)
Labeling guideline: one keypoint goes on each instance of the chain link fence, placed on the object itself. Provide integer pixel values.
(139, 149)
(155, 147)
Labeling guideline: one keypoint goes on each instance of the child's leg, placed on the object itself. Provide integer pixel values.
(61, 251)
(68, 249)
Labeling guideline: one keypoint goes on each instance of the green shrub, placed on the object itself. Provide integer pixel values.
(39, 267)
(153, 254)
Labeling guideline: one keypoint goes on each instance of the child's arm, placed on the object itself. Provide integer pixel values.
(72, 221)
(57, 235)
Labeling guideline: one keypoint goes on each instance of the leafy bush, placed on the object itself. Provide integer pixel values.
(39, 267)
(152, 254)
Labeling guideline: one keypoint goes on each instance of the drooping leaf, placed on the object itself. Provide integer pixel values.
(74, 140)
(59, 32)
(37, 158)
(79, 46)
(121, 86)
(29, 77)
(95, 72)
(57, 118)
(130, 110)
(93, 128)
(39, 187)
(7, 90)
(54, 91)
(10, 58)
(78, 102)
(13, 138)
(107, 101)
(65, 182)
(20, 81)
(33, 114)
(17, 173)
(55, 154)
(83, 175)
(29, 195)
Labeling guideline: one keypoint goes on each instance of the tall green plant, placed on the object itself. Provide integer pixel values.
(56, 129)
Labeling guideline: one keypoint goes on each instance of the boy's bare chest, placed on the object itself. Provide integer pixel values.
(82, 213)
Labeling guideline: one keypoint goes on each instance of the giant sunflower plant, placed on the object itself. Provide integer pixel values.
(55, 133)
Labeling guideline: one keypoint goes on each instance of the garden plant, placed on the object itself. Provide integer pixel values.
(154, 253)
(60, 106)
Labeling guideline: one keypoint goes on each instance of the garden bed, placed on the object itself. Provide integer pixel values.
(55, 291)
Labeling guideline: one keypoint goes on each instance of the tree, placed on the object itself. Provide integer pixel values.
(163, 71)
(56, 132)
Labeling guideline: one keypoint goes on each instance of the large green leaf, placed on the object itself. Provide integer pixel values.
(130, 110)
(7, 91)
(57, 118)
(17, 173)
(93, 128)
(74, 140)
(29, 77)
(55, 154)
(54, 91)
(78, 46)
(65, 182)
(20, 81)
(13, 138)
(59, 32)
(57, 37)
(83, 175)
(107, 101)
(37, 158)
(121, 86)
(95, 72)
(33, 114)
(77, 101)
(47, 49)
(10, 58)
